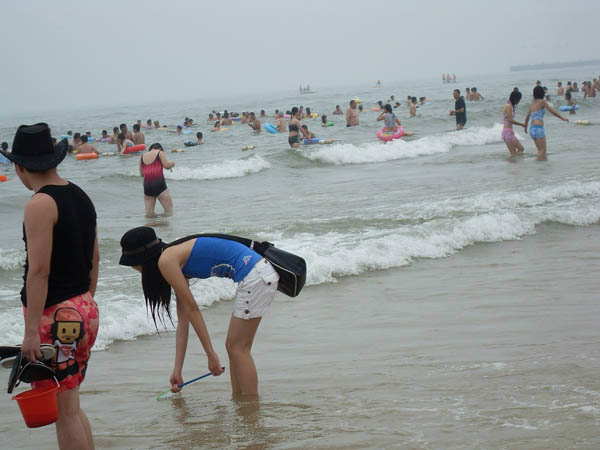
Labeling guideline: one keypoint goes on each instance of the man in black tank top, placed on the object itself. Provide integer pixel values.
(61, 273)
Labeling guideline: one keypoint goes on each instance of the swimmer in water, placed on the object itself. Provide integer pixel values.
(104, 137)
(123, 143)
(138, 136)
(199, 137)
(323, 120)
(311, 135)
(508, 135)
(476, 95)
(413, 107)
(338, 111)
(295, 129)
(281, 124)
(210, 118)
(560, 91)
(86, 147)
(115, 136)
(352, 115)
(571, 103)
(148, 123)
(226, 119)
(254, 123)
(76, 141)
(263, 114)
(468, 94)
(536, 112)
(216, 127)
(126, 132)
(391, 122)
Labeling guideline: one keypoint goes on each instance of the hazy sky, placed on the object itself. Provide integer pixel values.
(55, 53)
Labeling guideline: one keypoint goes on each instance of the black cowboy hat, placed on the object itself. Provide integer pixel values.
(33, 149)
(139, 245)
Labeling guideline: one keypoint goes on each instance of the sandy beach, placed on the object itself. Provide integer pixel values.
(482, 350)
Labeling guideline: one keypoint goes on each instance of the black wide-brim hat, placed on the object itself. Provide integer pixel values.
(139, 245)
(33, 149)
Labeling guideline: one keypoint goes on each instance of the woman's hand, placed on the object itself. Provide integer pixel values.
(214, 365)
(175, 380)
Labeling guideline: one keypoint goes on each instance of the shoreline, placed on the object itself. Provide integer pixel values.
(387, 359)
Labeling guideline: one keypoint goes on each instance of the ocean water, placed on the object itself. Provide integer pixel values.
(348, 208)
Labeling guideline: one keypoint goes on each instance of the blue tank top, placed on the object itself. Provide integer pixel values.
(214, 257)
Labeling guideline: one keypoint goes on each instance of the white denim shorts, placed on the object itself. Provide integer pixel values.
(255, 292)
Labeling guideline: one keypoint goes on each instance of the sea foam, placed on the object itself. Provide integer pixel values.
(339, 154)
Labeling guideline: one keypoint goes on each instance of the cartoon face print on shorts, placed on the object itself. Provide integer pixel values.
(66, 331)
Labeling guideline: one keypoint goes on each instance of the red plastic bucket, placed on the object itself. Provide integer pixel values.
(38, 406)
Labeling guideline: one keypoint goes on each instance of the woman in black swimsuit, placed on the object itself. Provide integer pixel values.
(295, 129)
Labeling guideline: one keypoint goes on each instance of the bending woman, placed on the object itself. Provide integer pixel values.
(536, 112)
(169, 266)
(295, 129)
(508, 135)
(155, 186)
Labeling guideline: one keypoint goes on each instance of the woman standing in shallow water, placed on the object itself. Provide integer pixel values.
(170, 266)
(155, 186)
(508, 135)
(536, 112)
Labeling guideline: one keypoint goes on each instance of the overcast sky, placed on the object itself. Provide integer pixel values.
(55, 53)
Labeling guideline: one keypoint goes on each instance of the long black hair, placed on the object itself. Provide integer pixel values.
(515, 98)
(157, 290)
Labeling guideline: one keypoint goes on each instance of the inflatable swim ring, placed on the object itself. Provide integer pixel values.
(385, 137)
(177, 150)
(376, 108)
(314, 115)
(271, 129)
(582, 122)
(329, 124)
(313, 141)
(235, 119)
(82, 156)
(3, 178)
(135, 149)
(188, 131)
(427, 103)
(105, 140)
(326, 141)
(108, 154)
(569, 107)
(287, 116)
(190, 143)
(248, 147)
(66, 136)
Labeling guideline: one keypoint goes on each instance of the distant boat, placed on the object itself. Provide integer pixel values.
(558, 65)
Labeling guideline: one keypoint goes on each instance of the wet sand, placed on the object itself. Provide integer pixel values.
(493, 348)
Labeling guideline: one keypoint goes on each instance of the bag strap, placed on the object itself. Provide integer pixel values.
(259, 247)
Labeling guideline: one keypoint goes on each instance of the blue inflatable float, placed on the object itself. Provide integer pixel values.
(569, 107)
(312, 141)
(271, 129)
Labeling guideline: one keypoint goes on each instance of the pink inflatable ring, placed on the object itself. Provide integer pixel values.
(385, 137)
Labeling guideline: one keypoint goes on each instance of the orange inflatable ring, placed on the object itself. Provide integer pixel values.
(82, 156)
(135, 149)
(376, 108)
(3, 178)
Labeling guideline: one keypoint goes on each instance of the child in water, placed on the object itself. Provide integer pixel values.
(571, 103)
(391, 122)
